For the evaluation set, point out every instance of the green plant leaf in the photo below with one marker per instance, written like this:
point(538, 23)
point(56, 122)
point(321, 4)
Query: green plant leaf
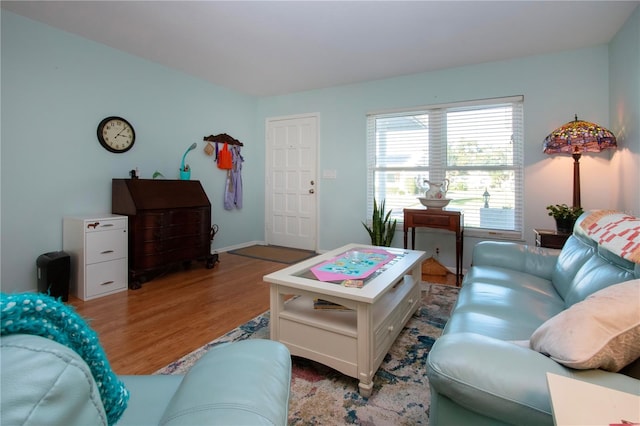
point(382, 230)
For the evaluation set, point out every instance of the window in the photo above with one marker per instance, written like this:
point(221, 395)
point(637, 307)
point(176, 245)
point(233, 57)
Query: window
point(477, 146)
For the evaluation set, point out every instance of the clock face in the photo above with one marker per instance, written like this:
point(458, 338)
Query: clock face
point(116, 134)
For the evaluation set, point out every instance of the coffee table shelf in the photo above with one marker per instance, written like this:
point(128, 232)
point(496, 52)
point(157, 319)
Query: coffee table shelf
point(301, 310)
point(353, 342)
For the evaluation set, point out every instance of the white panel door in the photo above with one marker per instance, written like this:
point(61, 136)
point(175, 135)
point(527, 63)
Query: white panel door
point(291, 182)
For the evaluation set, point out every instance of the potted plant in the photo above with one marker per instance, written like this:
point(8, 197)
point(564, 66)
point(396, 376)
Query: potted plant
point(565, 216)
point(382, 229)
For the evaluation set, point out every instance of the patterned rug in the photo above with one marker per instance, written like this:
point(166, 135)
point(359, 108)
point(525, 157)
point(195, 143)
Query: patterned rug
point(322, 396)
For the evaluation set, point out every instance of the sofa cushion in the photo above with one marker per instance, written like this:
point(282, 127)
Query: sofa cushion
point(585, 267)
point(596, 274)
point(576, 252)
point(603, 331)
point(508, 278)
point(488, 376)
point(503, 303)
point(516, 257)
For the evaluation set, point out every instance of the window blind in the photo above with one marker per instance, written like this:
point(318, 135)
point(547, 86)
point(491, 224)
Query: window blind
point(476, 145)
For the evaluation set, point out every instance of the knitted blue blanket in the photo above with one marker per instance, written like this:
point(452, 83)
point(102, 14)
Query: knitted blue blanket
point(42, 315)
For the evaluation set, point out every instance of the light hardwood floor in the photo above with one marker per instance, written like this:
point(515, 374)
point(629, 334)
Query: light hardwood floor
point(170, 316)
point(144, 330)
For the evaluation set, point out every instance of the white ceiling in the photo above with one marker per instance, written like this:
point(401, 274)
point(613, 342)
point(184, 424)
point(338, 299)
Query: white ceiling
point(267, 48)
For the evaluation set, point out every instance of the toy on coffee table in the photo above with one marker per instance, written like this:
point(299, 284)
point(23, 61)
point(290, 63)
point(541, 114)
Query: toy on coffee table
point(352, 265)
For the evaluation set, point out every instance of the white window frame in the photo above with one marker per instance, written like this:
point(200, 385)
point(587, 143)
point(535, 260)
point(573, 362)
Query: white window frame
point(437, 168)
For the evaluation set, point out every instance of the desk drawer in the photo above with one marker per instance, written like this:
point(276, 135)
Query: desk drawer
point(106, 277)
point(106, 245)
point(105, 225)
point(389, 329)
point(438, 221)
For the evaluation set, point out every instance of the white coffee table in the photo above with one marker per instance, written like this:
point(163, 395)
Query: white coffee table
point(353, 342)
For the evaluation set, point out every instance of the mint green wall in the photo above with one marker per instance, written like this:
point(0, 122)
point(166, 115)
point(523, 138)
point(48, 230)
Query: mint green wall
point(554, 88)
point(56, 87)
point(624, 88)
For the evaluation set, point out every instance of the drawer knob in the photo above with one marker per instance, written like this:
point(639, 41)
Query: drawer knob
point(390, 328)
point(106, 252)
point(107, 283)
point(410, 301)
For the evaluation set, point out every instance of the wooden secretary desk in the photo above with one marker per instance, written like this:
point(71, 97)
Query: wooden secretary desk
point(169, 223)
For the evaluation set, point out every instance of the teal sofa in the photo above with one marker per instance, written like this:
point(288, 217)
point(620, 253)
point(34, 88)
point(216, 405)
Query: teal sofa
point(244, 383)
point(521, 313)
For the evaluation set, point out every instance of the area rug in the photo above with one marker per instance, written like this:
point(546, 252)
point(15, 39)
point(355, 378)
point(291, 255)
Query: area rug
point(274, 253)
point(323, 396)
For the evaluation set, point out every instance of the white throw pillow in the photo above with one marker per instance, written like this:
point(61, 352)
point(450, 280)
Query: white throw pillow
point(602, 331)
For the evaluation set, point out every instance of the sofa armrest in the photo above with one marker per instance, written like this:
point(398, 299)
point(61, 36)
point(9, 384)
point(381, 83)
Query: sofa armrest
point(45, 382)
point(239, 383)
point(519, 257)
point(504, 379)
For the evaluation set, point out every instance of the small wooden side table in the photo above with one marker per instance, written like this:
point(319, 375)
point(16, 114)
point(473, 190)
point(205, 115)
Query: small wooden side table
point(550, 239)
point(450, 220)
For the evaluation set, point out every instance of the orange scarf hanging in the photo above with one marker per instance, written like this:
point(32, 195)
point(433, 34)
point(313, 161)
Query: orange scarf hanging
point(225, 159)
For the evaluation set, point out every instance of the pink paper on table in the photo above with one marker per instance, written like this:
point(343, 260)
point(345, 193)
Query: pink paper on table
point(343, 268)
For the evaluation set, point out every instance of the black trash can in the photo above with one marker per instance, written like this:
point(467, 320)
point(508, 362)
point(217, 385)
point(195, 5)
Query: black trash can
point(54, 271)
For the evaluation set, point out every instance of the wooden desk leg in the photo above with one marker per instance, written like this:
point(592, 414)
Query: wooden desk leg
point(461, 253)
point(405, 237)
point(459, 242)
point(413, 238)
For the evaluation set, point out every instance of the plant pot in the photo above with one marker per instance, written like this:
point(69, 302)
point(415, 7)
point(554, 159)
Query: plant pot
point(564, 226)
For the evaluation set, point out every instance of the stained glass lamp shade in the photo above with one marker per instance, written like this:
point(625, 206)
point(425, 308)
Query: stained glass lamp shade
point(574, 138)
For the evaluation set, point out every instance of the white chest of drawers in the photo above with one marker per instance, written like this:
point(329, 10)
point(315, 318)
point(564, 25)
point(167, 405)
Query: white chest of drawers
point(97, 246)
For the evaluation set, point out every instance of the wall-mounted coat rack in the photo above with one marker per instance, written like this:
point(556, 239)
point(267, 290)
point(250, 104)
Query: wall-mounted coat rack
point(223, 138)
